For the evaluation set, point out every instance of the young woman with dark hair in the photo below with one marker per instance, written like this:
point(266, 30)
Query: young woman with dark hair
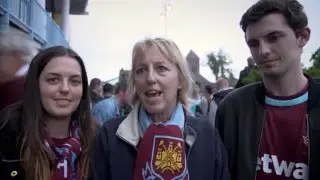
point(48, 135)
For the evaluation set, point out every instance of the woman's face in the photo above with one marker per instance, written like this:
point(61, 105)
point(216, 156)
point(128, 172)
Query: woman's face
point(61, 86)
point(156, 81)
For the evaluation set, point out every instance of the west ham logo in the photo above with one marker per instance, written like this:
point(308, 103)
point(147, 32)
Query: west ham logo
point(167, 160)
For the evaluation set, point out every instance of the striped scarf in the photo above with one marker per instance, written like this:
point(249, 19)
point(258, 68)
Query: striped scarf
point(67, 153)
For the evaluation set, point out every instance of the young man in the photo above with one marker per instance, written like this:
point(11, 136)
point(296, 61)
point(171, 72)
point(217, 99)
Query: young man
point(271, 129)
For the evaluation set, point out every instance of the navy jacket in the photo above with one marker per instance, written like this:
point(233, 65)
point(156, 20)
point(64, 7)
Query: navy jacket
point(115, 150)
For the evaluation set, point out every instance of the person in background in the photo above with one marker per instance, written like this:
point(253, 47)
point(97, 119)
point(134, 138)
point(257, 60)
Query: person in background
point(210, 91)
point(271, 128)
point(246, 71)
point(158, 139)
point(223, 90)
point(107, 108)
point(48, 135)
point(198, 104)
point(96, 91)
point(108, 90)
point(16, 53)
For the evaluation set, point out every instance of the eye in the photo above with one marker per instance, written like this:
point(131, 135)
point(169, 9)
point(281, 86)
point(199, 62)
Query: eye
point(273, 38)
point(253, 44)
point(162, 69)
point(139, 71)
point(52, 80)
point(76, 81)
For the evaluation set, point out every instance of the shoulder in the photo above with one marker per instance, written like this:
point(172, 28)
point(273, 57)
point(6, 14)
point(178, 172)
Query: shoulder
point(11, 119)
point(110, 127)
point(201, 124)
point(241, 94)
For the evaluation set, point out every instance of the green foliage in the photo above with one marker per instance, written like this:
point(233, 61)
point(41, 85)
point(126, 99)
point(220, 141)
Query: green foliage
point(313, 72)
point(254, 76)
point(218, 63)
point(315, 58)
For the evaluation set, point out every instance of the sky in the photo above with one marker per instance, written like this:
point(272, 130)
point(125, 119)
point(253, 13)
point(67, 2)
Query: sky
point(105, 37)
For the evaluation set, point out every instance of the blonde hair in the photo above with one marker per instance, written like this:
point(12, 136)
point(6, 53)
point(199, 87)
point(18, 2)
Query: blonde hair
point(169, 50)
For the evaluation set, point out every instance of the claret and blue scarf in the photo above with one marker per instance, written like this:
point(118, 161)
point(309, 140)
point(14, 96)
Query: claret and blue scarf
point(67, 153)
point(161, 151)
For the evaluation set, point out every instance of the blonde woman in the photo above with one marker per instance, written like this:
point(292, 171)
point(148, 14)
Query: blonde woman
point(158, 140)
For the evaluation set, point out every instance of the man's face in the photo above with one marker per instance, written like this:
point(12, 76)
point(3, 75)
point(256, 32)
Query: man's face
point(274, 45)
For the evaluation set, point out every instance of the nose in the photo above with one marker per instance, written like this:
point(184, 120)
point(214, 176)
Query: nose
point(264, 49)
point(151, 77)
point(64, 88)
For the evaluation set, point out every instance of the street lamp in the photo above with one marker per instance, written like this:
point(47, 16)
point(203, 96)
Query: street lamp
point(167, 7)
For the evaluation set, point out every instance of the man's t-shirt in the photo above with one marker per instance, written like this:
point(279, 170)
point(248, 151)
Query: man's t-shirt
point(283, 152)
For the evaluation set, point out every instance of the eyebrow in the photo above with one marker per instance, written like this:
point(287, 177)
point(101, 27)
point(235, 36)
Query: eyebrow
point(57, 74)
point(269, 34)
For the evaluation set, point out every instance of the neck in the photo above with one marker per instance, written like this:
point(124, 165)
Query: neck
point(163, 117)
point(289, 84)
point(58, 127)
point(107, 95)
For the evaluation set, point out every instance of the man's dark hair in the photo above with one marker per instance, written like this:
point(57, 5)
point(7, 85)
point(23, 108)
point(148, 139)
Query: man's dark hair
point(209, 89)
point(94, 83)
point(108, 88)
point(292, 11)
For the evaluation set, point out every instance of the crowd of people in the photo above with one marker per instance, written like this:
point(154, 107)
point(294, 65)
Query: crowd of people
point(56, 125)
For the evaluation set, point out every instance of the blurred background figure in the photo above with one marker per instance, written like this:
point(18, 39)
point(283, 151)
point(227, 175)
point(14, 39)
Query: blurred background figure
point(109, 107)
point(246, 71)
point(223, 89)
point(96, 91)
point(16, 53)
point(198, 103)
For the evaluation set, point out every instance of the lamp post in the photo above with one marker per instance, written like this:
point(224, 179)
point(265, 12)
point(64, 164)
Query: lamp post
point(167, 7)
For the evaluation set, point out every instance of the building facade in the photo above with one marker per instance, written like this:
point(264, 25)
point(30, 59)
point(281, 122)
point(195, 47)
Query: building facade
point(44, 21)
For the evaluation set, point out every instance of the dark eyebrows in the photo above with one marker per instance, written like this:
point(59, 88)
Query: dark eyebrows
point(250, 41)
point(275, 33)
point(57, 74)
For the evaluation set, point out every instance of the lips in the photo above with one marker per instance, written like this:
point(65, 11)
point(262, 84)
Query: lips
point(268, 61)
point(153, 93)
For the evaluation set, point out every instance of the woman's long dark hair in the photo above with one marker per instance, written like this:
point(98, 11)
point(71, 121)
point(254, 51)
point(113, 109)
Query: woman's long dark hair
point(35, 155)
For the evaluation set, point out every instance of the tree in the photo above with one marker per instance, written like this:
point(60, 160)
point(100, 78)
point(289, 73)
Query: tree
point(254, 76)
point(315, 58)
point(213, 64)
point(219, 63)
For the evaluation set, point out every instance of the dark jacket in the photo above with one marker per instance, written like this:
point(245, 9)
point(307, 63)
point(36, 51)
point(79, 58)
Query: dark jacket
point(10, 140)
point(240, 119)
point(115, 151)
point(218, 96)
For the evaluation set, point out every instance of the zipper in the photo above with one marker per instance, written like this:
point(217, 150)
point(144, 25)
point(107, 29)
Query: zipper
point(10, 161)
point(258, 149)
point(308, 136)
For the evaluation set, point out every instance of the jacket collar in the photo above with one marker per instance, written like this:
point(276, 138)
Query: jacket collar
point(130, 131)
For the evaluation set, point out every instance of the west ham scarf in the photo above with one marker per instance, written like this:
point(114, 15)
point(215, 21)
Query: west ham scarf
point(161, 151)
point(67, 152)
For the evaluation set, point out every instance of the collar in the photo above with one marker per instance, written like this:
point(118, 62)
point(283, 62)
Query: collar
point(224, 89)
point(177, 118)
point(129, 129)
point(313, 92)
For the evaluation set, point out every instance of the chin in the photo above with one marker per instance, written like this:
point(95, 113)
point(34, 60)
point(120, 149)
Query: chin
point(154, 109)
point(271, 73)
point(61, 112)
